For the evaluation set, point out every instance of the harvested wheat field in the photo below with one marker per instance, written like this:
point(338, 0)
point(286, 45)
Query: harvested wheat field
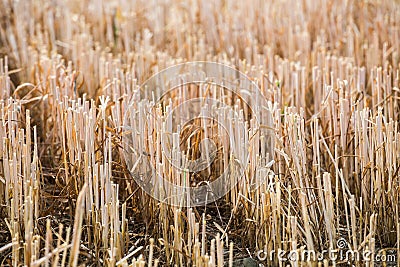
point(200, 133)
